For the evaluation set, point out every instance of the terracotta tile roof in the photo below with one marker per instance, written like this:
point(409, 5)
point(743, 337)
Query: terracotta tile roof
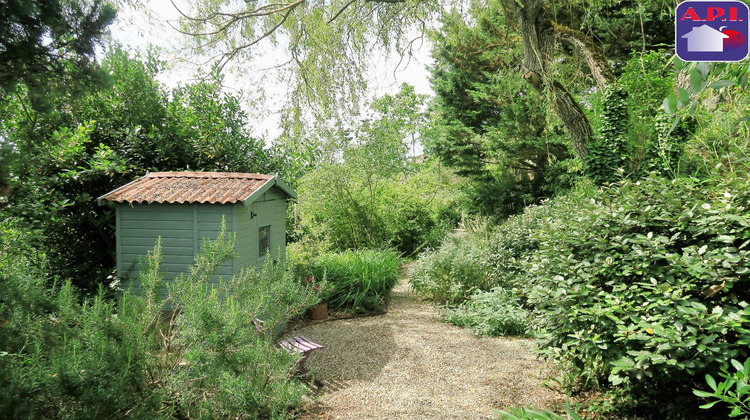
point(189, 187)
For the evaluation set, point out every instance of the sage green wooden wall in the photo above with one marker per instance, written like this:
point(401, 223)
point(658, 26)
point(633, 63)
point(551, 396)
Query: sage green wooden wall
point(183, 227)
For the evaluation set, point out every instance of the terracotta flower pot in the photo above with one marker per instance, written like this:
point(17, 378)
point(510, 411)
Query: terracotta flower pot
point(318, 312)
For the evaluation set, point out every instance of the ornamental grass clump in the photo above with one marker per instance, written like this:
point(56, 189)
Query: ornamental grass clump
point(361, 280)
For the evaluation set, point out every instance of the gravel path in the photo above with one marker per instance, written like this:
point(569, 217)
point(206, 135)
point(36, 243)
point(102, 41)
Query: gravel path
point(408, 364)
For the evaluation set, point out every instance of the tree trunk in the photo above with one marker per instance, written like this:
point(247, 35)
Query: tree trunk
point(538, 33)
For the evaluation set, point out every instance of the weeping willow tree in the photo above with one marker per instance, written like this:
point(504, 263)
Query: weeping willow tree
point(327, 44)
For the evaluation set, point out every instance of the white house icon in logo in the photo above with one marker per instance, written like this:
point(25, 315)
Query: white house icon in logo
point(705, 39)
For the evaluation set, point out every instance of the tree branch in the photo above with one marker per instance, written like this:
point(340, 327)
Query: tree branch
point(234, 18)
point(583, 44)
point(341, 11)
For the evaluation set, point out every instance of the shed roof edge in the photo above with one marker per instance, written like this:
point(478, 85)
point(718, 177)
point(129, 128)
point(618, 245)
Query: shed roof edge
point(100, 200)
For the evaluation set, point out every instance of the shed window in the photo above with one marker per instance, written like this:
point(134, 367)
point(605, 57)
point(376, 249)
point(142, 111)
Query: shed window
point(264, 240)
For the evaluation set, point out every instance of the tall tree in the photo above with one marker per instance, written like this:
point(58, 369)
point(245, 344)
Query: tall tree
point(43, 41)
point(538, 32)
point(46, 52)
point(491, 126)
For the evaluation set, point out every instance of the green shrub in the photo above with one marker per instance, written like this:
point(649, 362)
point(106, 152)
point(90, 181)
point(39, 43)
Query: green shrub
point(452, 272)
point(643, 285)
point(361, 280)
point(231, 368)
point(301, 255)
point(66, 358)
point(513, 242)
point(62, 357)
point(486, 257)
point(482, 274)
point(734, 390)
point(355, 206)
point(411, 224)
point(494, 313)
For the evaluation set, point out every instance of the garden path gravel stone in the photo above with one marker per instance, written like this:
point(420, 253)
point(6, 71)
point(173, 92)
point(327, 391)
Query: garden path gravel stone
point(408, 364)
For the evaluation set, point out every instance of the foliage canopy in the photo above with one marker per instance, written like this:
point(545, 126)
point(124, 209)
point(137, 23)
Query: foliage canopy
point(49, 42)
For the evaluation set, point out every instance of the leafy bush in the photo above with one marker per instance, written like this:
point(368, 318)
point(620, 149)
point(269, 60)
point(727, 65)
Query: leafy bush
point(97, 358)
point(368, 191)
point(734, 390)
point(644, 284)
point(358, 204)
point(480, 276)
point(494, 313)
point(452, 272)
point(487, 257)
point(513, 242)
point(418, 210)
point(361, 279)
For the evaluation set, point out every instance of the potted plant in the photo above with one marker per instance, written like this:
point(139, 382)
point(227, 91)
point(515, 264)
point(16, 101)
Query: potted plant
point(322, 290)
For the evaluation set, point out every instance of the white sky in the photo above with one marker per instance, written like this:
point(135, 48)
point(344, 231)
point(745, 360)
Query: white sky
point(136, 30)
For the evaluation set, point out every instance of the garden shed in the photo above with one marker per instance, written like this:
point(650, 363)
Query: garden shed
point(183, 208)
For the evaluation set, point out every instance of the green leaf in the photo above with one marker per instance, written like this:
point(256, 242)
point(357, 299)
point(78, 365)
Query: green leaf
point(737, 365)
point(711, 381)
point(696, 81)
point(703, 68)
point(684, 96)
point(709, 405)
point(703, 394)
point(678, 63)
point(725, 238)
point(670, 103)
point(572, 415)
point(732, 257)
point(722, 84)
